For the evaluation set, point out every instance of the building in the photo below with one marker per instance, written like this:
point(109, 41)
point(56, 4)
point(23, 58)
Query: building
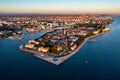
point(64, 31)
point(96, 32)
point(73, 47)
point(42, 49)
point(106, 29)
point(30, 46)
point(1, 25)
point(31, 41)
point(82, 33)
point(59, 48)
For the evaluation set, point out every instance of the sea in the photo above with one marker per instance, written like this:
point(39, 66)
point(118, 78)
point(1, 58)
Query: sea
point(96, 60)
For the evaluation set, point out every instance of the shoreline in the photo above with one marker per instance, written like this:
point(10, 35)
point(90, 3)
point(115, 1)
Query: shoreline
point(60, 59)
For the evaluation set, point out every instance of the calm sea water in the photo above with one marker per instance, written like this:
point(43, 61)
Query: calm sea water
point(103, 60)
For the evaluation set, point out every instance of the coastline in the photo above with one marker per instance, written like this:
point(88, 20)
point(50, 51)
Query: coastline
point(60, 59)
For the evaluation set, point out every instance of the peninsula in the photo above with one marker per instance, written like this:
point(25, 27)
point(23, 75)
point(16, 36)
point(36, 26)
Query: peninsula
point(61, 35)
point(60, 43)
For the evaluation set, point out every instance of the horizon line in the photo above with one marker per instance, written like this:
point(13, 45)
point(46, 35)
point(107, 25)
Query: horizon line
point(30, 13)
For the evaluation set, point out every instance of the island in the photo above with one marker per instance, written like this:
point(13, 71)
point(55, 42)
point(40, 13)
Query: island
point(60, 43)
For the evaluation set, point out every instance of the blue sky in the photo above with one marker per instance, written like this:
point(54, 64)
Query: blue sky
point(60, 6)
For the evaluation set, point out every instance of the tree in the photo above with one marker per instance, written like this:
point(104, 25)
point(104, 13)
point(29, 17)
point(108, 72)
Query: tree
point(53, 49)
point(64, 46)
point(47, 43)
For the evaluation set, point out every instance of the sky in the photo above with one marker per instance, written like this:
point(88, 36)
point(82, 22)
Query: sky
point(60, 6)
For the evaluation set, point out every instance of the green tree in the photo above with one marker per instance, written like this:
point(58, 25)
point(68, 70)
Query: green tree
point(47, 43)
point(53, 49)
point(64, 46)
